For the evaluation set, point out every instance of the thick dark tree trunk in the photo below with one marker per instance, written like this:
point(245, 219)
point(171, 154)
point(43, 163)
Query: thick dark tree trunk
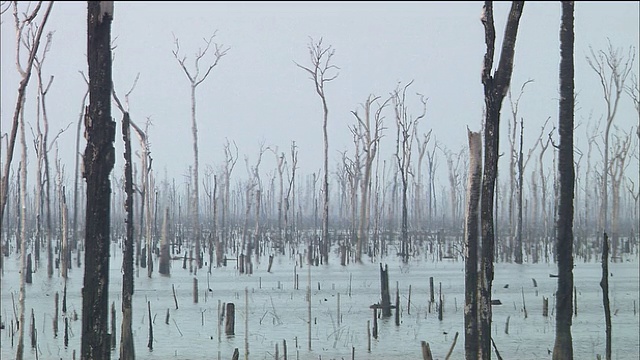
point(471, 265)
point(385, 302)
point(99, 157)
point(495, 89)
point(126, 341)
point(563, 348)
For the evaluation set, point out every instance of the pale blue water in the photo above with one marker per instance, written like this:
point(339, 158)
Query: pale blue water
point(277, 311)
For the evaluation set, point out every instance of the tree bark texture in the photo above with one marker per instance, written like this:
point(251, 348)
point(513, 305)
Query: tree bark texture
point(495, 89)
point(127, 351)
point(99, 158)
point(563, 348)
point(471, 238)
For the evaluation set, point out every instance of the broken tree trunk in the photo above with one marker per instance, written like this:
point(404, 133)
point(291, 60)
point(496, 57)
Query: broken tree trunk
point(384, 291)
point(471, 340)
point(495, 89)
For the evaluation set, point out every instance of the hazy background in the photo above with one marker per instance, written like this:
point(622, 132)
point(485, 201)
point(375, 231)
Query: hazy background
point(257, 94)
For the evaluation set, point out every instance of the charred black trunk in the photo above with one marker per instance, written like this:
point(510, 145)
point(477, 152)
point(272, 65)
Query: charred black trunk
point(563, 348)
point(99, 157)
point(126, 335)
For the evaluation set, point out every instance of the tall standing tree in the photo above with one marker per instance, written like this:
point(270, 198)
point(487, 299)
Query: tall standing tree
point(563, 348)
point(612, 68)
point(406, 125)
point(516, 162)
point(368, 132)
point(25, 74)
point(495, 89)
point(321, 72)
point(99, 158)
point(127, 351)
point(195, 79)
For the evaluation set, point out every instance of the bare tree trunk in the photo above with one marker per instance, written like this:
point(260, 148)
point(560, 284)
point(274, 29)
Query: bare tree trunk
point(230, 163)
point(99, 158)
point(320, 61)
point(23, 238)
point(147, 221)
point(563, 348)
point(165, 261)
point(495, 88)
point(604, 284)
point(65, 253)
point(196, 79)
point(471, 340)
point(127, 351)
point(77, 168)
point(406, 125)
point(519, 256)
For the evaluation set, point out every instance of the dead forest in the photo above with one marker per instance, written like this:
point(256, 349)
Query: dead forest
point(367, 207)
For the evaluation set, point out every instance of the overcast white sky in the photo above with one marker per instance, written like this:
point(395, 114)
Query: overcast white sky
point(258, 95)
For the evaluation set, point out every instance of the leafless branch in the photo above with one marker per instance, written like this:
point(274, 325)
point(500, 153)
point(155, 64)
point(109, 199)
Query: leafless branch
point(195, 78)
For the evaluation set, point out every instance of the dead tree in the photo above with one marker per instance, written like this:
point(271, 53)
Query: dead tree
point(195, 79)
point(127, 351)
point(254, 186)
point(145, 193)
point(474, 180)
point(211, 196)
point(40, 146)
point(320, 73)
point(231, 157)
point(44, 147)
point(24, 270)
point(495, 89)
point(617, 168)
point(368, 132)
point(612, 69)
point(406, 125)
point(604, 284)
point(516, 186)
point(349, 173)
point(432, 166)
point(99, 158)
point(634, 93)
point(422, 145)
point(280, 167)
point(65, 251)
point(544, 145)
point(164, 266)
point(25, 74)
point(453, 166)
point(563, 348)
point(289, 199)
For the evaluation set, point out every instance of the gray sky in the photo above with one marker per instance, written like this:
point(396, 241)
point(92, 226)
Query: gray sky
point(258, 95)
